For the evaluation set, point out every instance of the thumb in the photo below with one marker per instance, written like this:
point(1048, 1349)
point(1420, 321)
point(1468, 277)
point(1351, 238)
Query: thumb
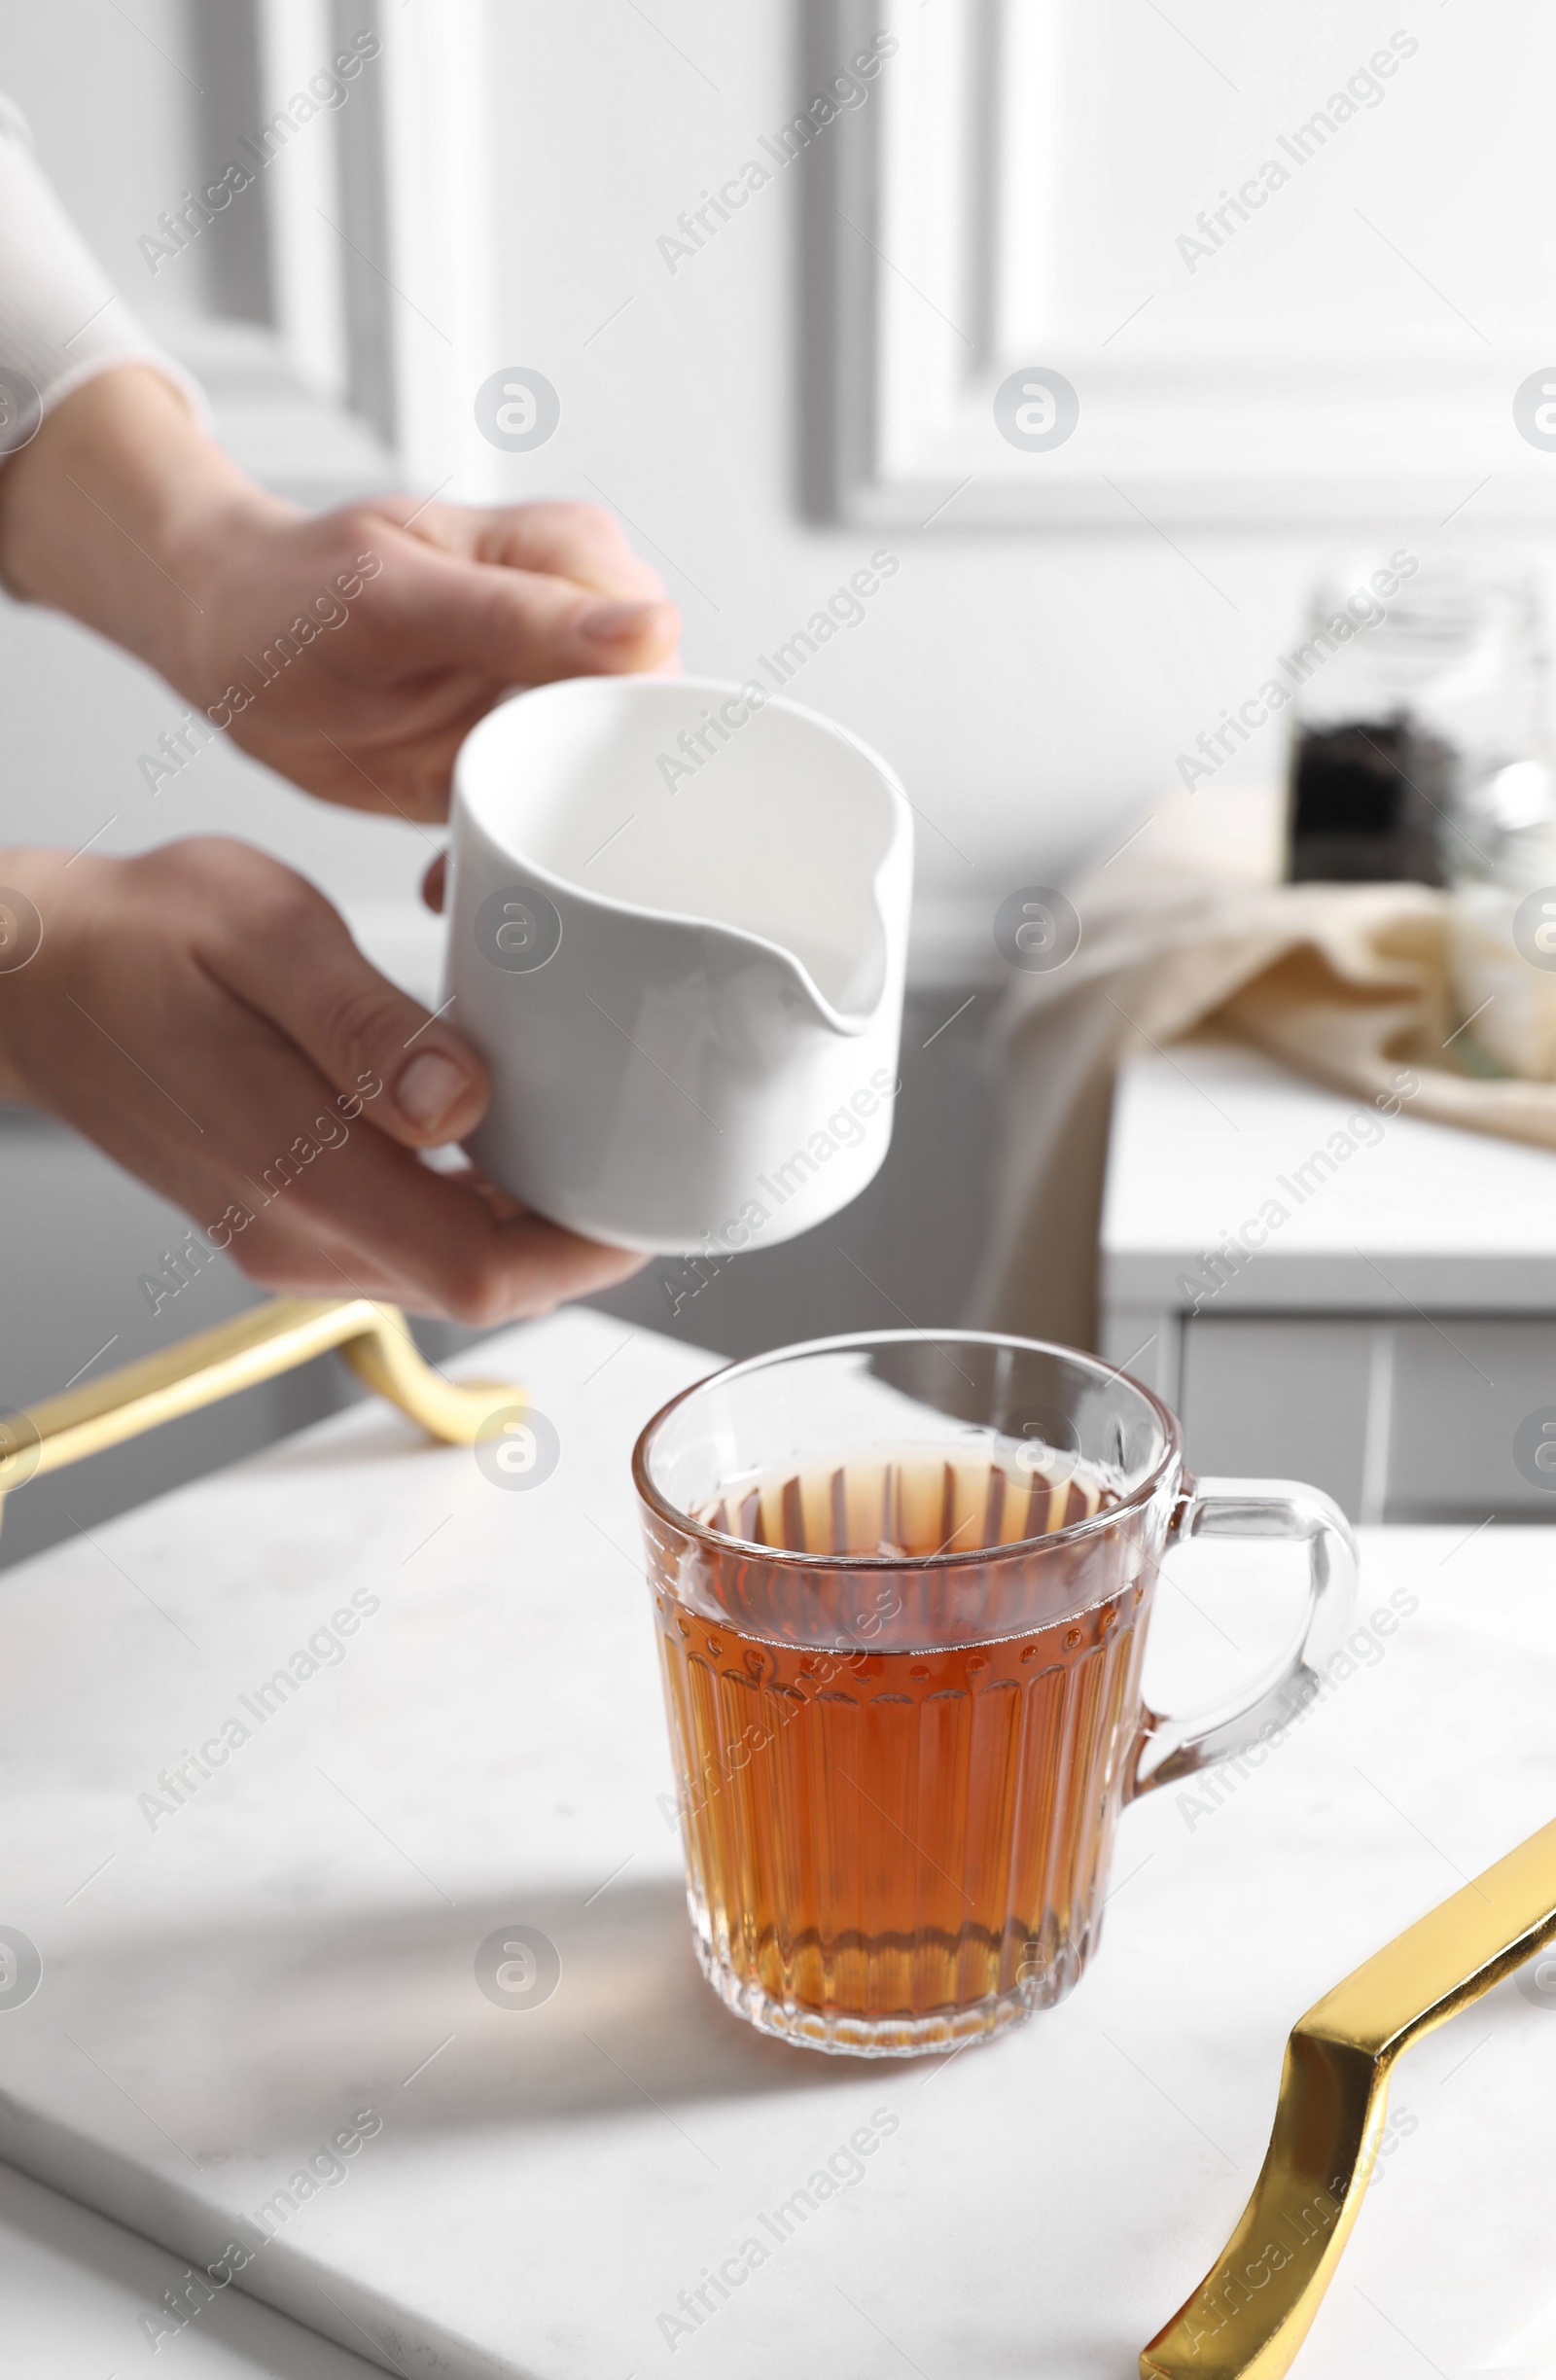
point(521, 628)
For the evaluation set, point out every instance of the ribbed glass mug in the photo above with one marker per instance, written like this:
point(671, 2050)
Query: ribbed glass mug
point(902, 1585)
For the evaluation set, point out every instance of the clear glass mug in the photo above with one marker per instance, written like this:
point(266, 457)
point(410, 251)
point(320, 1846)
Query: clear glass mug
point(903, 1583)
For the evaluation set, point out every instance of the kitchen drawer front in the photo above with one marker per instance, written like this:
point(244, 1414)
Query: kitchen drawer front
point(1410, 1420)
point(1265, 1394)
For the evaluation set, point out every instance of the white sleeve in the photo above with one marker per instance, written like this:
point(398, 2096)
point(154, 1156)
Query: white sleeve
point(62, 320)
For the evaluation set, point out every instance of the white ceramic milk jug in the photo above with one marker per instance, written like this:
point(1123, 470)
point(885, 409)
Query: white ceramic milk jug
point(678, 927)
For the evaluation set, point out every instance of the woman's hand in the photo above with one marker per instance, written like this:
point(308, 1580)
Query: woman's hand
point(350, 650)
point(355, 650)
point(204, 1015)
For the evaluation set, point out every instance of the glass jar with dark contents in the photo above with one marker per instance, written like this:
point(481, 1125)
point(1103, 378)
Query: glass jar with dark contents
point(1419, 681)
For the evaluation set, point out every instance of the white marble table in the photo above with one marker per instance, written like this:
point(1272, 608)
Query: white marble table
point(74, 2288)
point(295, 1946)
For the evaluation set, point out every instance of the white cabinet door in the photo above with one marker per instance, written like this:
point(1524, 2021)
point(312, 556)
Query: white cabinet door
point(1470, 1396)
point(1270, 1396)
point(1432, 1418)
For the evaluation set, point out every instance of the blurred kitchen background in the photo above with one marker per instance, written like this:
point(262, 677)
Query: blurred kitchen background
point(770, 393)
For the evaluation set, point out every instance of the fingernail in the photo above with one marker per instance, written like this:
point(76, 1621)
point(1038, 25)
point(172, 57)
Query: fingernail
point(612, 623)
point(428, 1089)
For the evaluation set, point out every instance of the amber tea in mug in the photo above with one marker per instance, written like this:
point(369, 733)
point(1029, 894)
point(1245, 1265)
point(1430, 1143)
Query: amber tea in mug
point(902, 1585)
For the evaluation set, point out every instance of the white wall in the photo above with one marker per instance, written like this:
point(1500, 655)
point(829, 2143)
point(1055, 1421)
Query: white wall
point(105, 93)
point(1033, 691)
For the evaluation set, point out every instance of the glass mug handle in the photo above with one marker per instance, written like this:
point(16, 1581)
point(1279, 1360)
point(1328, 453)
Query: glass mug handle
point(1167, 1747)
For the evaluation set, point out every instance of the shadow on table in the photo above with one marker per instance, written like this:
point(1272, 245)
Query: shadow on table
point(237, 2040)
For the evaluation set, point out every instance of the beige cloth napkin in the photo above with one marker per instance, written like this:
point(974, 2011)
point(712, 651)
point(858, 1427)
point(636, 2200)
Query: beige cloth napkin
point(1187, 928)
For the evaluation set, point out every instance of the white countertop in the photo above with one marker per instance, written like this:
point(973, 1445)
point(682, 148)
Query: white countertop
point(296, 1944)
point(1203, 1136)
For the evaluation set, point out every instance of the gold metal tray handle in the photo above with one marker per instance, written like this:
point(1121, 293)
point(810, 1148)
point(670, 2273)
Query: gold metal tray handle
point(1252, 2312)
point(374, 1339)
